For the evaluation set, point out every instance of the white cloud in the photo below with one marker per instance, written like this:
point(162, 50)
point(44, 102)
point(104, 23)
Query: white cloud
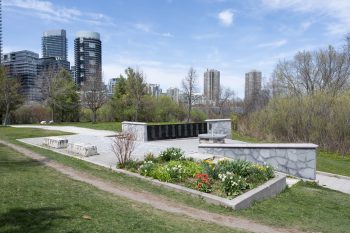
point(206, 36)
point(336, 10)
point(48, 11)
point(143, 27)
point(226, 17)
point(273, 44)
point(147, 28)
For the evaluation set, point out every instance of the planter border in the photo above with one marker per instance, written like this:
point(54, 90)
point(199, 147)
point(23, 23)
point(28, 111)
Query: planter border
point(267, 190)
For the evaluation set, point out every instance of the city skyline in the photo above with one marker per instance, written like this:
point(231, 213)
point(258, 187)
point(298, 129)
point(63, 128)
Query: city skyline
point(230, 36)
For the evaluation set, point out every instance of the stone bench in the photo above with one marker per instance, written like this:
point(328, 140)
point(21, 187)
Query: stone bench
point(212, 138)
point(82, 149)
point(57, 143)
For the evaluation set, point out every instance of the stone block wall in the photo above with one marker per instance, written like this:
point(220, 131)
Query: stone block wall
point(219, 126)
point(294, 159)
point(138, 128)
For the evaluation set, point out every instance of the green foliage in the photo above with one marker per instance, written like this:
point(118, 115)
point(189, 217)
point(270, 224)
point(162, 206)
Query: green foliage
point(10, 97)
point(177, 171)
point(149, 157)
point(171, 153)
point(33, 113)
point(147, 168)
point(161, 173)
point(232, 184)
point(320, 118)
point(198, 115)
point(131, 165)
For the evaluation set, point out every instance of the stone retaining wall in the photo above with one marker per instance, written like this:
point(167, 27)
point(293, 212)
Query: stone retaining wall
point(293, 159)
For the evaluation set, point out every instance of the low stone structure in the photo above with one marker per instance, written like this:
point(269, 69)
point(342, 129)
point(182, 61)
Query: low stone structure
point(212, 138)
point(82, 149)
point(54, 142)
point(138, 128)
point(294, 159)
point(219, 126)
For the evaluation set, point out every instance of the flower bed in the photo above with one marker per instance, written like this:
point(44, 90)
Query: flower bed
point(224, 178)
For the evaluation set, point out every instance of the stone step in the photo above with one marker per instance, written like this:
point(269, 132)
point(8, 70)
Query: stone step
point(54, 142)
point(82, 149)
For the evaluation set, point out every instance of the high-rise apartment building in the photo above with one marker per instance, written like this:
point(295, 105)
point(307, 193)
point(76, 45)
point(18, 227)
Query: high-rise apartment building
point(153, 89)
point(0, 32)
point(54, 44)
point(173, 93)
point(212, 85)
point(24, 65)
point(88, 56)
point(111, 85)
point(252, 84)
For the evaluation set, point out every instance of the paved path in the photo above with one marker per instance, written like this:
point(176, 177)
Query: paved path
point(106, 158)
point(150, 199)
point(333, 181)
point(70, 129)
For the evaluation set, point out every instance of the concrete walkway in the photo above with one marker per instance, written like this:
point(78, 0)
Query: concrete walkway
point(333, 181)
point(150, 199)
point(106, 158)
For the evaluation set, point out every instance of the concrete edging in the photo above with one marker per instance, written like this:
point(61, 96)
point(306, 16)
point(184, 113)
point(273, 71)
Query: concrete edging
point(269, 189)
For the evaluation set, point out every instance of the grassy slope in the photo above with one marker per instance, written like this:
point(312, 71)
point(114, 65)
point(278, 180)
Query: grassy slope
point(326, 161)
point(304, 206)
point(38, 199)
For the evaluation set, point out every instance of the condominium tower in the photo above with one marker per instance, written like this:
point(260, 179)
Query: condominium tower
point(54, 44)
point(87, 56)
point(252, 84)
point(24, 65)
point(212, 85)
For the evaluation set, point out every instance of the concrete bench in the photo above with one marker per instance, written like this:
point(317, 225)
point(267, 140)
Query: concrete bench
point(212, 138)
point(57, 143)
point(82, 149)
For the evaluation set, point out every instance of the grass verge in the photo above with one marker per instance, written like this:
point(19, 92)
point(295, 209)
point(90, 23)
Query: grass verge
point(38, 199)
point(305, 206)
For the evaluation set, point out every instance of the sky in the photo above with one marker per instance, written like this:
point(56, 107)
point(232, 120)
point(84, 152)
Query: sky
point(164, 38)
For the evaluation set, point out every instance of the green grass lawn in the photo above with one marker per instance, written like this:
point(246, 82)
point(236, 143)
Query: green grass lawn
point(304, 206)
point(38, 199)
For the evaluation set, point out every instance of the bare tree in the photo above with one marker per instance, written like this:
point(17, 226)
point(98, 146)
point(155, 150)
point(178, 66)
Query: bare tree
point(189, 87)
point(324, 70)
point(10, 97)
point(93, 95)
point(226, 96)
point(123, 146)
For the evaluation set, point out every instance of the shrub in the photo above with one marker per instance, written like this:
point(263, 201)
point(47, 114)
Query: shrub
point(241, 167)
point(258, 173)
point(161, 173)
point(192, 168)
point(149, 157)
point(210, 168)
point(171, 154)
point(177, 171)
point(123, 145)
point(131, 165)
point(232, 184)
point(147, 168)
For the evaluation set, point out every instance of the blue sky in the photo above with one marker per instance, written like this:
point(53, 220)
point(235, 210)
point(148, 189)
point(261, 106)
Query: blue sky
point(164, 38)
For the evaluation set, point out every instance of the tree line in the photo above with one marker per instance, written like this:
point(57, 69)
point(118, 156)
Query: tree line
point(310, 102)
